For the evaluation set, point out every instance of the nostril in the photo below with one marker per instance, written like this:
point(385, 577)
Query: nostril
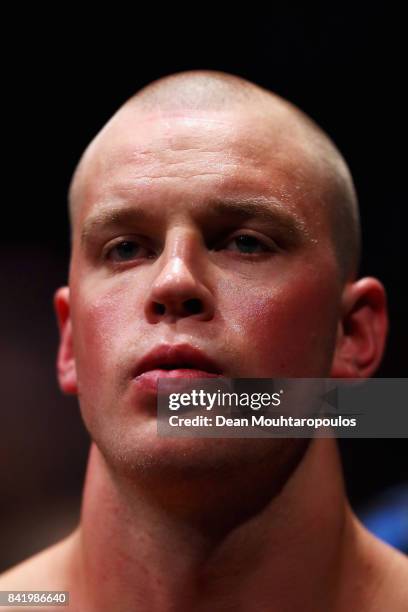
point(193, 306)
point(159, 308)
point(190, 307)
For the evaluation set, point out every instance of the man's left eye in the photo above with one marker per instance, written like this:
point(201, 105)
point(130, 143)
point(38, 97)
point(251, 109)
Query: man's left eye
point(246, 243)
point(126, 250)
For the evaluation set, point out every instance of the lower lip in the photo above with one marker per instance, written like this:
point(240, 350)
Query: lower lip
point(149, 380)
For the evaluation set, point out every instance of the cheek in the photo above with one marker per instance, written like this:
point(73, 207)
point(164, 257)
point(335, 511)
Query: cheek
point(287, 330)
point(103, 337)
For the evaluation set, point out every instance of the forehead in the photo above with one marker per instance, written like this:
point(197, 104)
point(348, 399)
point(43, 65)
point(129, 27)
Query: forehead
point(190, 157)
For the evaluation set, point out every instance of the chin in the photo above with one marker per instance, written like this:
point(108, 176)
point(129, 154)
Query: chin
point(145, 456)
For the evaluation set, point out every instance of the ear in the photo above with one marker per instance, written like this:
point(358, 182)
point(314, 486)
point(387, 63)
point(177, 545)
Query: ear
point(362, 330)
point(66, 367)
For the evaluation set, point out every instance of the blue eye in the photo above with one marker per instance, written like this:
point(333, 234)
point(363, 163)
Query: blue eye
point(248, 244)
point(126, 250)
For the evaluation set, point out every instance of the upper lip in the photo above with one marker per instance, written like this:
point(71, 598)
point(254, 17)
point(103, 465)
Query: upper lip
point(180, 355)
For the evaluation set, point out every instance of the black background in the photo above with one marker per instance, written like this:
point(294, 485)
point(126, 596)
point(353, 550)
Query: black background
point(344, 66)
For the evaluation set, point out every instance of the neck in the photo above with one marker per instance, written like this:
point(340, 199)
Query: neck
point(135, 552)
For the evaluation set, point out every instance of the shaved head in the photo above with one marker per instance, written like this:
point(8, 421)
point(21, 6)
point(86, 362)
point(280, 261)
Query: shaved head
point(217, 92)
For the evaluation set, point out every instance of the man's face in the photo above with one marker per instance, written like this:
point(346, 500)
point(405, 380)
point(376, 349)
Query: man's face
point(212, 207)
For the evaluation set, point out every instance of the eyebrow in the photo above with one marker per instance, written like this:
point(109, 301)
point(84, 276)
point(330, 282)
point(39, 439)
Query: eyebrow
point(112, 217)
point(266, 209)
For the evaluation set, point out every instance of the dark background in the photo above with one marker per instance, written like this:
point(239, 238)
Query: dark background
point(343, 66)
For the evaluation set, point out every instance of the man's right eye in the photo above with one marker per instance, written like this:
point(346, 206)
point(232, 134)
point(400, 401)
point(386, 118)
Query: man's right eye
point(127, 250)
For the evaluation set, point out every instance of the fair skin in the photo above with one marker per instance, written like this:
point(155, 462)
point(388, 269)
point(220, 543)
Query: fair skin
point(199, 524)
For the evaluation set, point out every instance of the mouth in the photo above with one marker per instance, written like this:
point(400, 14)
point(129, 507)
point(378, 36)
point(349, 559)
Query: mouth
point(175, 361)
point(177, 366)
point(177, 357)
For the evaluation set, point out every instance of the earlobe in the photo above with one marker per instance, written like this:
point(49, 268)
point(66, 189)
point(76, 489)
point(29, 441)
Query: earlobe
point(66, 367)
point(362, 330)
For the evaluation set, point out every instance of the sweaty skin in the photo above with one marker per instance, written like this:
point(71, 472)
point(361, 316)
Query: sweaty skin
point(205, 524)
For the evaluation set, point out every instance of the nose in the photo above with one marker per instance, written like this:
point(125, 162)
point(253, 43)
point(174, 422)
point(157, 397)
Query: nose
point(178, 290)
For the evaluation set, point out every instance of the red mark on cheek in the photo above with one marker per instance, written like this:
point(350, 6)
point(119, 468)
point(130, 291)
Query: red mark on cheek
point(287, 329)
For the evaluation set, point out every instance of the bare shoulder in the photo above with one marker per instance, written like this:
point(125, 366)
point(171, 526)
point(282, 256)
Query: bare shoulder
point(386, 569)
point(47, 570)
point(395, 582)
